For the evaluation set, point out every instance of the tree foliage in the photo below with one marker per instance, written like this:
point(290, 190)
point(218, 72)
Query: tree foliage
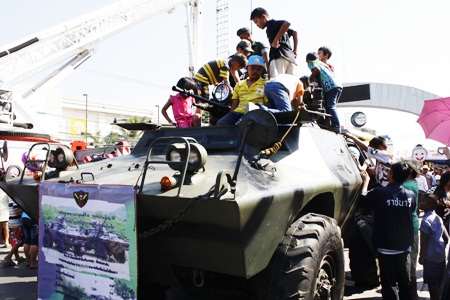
point(131, 136)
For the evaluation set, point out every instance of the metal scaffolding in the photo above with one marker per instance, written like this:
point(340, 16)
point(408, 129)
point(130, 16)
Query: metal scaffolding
point(222, 28)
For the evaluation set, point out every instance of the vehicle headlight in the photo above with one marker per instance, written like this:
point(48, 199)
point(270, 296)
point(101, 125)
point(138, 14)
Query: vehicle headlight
point(61, 158)
point(178, 154)
point(222, 93)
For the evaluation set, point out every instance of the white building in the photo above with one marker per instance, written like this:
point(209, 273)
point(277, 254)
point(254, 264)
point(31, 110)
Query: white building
point(66, 119)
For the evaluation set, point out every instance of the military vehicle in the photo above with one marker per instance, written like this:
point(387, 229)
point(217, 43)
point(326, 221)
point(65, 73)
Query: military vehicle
point(106, 245)
point(95, 241)
point(259, 210)
point(63, 237)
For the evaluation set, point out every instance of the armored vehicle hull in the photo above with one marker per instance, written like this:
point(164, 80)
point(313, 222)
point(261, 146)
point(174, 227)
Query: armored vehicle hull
point(263, 228)
point(93, 241)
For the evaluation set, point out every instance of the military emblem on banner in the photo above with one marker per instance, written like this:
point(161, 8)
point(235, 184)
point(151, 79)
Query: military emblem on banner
point(81, 198)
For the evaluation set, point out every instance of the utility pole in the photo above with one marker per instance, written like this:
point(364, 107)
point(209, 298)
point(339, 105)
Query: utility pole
point(85, 129)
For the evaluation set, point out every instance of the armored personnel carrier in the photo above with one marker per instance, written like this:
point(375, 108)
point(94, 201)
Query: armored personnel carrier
point(95, 241)
point(259, 210)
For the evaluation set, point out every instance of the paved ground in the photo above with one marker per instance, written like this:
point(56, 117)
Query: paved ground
point(20, 283)
point(352, 292)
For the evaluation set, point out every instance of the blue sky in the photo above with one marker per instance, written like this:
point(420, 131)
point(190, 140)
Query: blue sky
point(398, 42)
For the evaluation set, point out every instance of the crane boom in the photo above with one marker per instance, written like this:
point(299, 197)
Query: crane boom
point(69, 45)
point(25, 59)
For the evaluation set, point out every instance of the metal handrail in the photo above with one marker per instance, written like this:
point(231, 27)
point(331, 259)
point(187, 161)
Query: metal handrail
point(184, 163)
point(28, 160)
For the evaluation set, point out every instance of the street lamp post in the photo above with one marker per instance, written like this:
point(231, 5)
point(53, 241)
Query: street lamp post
point(157, 107)
point(85, 129)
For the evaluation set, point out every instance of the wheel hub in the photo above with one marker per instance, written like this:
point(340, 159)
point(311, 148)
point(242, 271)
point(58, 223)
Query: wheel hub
point(323, 287)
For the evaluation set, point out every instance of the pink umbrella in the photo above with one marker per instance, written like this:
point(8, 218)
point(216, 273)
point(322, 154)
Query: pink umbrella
point(435, 120)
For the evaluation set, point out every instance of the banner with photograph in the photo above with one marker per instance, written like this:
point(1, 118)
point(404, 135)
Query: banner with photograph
point(87, 241)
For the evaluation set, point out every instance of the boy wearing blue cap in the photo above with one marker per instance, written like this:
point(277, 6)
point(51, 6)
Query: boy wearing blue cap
point(250, 90)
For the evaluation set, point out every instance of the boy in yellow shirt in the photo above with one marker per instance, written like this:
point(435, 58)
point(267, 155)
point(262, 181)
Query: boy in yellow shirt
point(250, 90)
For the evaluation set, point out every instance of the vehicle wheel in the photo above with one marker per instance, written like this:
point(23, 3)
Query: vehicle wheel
point(308, 264)
point(100, 250)
point(59, 242)
point(78, 250)
point(48, 239)
point(120, 256)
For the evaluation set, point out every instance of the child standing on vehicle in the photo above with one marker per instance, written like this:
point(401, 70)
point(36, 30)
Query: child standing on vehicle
point(217, 71)
point(281, 55)
point(259, 48)
point(284, 93)
point(433, 238)
point(332, 88)
point(182, 106)
point(244, 47)
point(324, 54)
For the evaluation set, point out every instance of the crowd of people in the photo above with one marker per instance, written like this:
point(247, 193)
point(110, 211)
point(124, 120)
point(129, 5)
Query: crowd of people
point(397, 193)
point(22, 231)
point(259, 74)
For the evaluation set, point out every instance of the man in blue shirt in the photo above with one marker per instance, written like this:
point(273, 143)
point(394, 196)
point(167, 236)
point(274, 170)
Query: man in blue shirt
point(393, 232)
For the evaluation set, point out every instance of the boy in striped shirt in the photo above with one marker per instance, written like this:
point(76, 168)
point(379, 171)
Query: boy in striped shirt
point(15, 235)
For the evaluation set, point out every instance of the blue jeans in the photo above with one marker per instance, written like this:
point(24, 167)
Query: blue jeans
point(231, 118)
point(30, 231)
point(330, 100)
point(278, 96)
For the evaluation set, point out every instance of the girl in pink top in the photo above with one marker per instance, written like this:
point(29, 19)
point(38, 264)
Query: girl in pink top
point(182, 106)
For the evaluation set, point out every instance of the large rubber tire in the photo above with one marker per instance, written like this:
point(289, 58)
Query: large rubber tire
point(60, 244)
point(100, 250)
point(78, 250)
point(120, 256)
point(48, 239)
point(308, 264)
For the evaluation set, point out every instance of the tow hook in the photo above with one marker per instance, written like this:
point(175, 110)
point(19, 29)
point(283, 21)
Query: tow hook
point(198, 278)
